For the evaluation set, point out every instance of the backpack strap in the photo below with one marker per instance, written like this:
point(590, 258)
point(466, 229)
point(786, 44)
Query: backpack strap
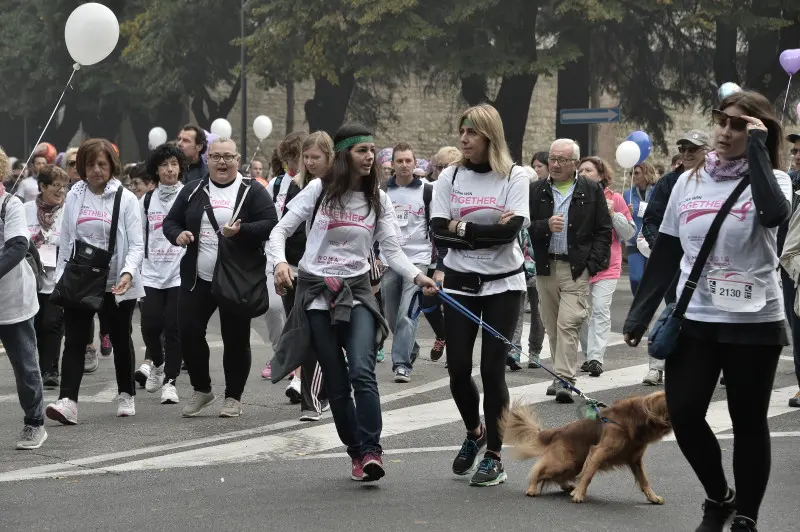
point(147, 198)
point(276, 186)
point(455, 172)
point(112, 239)
point(316, 206)
point(3, 208)
point(427, 197)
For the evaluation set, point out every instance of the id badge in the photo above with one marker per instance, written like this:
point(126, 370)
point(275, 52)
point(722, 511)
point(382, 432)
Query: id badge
point(401, 211)
point(736, 291)
point(48, 254)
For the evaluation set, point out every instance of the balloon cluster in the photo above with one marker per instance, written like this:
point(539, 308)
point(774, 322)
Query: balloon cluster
point(634, 150)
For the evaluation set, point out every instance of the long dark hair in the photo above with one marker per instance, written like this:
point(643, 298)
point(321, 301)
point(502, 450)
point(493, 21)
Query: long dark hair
point(339, 181)
point(756, 105)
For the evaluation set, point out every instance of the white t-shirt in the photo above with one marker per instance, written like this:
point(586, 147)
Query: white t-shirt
point(161, 266)
point(223, 201)
point(339, 241)
point(94, 226)
point(48, 251)
point(283, 191)
point(743, 245)
point(17, 287)
point(482, 199)
point(27, 189)
point(409, 208)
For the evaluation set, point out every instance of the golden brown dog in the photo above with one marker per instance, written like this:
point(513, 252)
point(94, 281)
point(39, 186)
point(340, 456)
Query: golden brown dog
point(577, 451)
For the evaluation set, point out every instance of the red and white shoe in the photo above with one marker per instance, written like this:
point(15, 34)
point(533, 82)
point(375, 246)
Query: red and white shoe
point(65, 411)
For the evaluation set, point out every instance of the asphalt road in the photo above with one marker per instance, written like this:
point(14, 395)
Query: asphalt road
point(267, 470)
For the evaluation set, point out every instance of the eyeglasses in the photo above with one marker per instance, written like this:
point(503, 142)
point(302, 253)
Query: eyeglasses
point(721, 119)
point(691, 150)
point(58, 186)
point(135, 183)
point(559, 160)
point(228, 158)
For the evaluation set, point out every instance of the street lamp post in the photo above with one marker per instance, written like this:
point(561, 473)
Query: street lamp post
point(244, 89)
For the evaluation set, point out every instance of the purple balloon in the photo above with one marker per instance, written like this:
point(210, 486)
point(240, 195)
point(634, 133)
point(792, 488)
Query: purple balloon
point(790, 61)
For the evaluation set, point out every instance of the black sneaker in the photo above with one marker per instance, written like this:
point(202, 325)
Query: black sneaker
point(585, 367)
point(716, 514)
point(564, 394)
point(551, 390)
point(794, 402)
point(595, 368)
point(438, 349)
point(50, 380)
point(490, 473)
point(512, 363)
point(743, 524)
point(468, 455)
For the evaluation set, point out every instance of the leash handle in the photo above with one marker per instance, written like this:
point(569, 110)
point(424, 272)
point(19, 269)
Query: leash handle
point(415, 308)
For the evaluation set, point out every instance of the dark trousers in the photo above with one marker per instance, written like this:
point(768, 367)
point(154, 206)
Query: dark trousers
point(49, 325)
point(104, 327)
point(358, 424)
point(312, 382)
point(195, 309)
point(78, 333)
point(160, 329)
point(789, 294)
point(435, 317)
point(693, 373)
point(501, 312)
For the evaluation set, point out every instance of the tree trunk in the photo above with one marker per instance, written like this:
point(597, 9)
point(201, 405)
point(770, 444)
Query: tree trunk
point(12, 136)
point(574, 86)
point(763, 69)
point(513, 102)
point(290, 107)
point(168, 115)
point(725, 54)
point(62, 135)
point(473, 89)
point(104, 123)
point(206, 109)
point(327, 109)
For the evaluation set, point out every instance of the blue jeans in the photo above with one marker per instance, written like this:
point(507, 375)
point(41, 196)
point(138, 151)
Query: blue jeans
point(636, 264)
point(359, 425)
point(397, 293)
point(19, 339)
point(789, 294)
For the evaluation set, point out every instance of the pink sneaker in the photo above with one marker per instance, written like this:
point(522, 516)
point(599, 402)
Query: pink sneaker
point(266, 373)
point(357, 471)
point(373, 467)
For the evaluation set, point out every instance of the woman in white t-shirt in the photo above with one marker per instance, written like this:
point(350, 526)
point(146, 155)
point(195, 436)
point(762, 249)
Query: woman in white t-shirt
point(44, 224)
point(87, 218)
point(334, 307)
point(735, 321)
point(480, 204)
point(161, 274)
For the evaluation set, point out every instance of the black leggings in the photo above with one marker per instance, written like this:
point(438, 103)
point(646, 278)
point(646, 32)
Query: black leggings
point(501, 312)
point(49, 325)
point(749, 371)
point(435, 317)
point(160, 331)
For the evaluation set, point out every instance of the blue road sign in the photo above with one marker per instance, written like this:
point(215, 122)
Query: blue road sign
point(590, 116)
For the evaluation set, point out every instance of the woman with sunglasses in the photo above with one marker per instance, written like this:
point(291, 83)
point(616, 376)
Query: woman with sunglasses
point(725, 325)
point(595, 330)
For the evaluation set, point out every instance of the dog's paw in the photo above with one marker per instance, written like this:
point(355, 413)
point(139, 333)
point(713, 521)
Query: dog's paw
point(532, 492)
point(655, 499)
point(578, 497)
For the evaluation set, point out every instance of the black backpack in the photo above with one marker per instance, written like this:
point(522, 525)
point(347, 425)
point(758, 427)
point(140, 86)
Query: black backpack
point(32, 255)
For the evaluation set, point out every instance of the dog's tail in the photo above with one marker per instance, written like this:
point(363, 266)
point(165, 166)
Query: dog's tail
point(522, 429)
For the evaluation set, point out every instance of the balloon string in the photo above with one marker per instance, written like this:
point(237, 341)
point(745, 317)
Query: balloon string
point(255, 153)
point(786, 98)
point(55, 109)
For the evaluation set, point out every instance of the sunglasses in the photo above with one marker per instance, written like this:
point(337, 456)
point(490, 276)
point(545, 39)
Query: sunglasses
point(721, 119)
point(794, 151)
point(691, 150)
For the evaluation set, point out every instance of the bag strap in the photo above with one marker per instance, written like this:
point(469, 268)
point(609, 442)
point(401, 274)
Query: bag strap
point(237, 208)
point(3, 208)
point(276, 186)
point(705, 249)
point(147, 198)
point(112, 239)
point(317, 205)
point(427, 197)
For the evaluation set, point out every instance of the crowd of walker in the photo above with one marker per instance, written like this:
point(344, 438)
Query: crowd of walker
point(349, 236)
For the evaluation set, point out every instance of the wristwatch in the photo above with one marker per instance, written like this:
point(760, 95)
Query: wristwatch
point(461, 229)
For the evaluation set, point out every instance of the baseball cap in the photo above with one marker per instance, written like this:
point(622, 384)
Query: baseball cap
point(698, 137)
point(794, 137)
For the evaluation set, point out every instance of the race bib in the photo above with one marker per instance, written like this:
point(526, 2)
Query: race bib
point(401, 211)
point(736, 291)
point(48, 254)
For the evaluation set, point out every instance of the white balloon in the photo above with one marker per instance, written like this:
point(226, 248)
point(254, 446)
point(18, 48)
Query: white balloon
point(262, 127)
point(91, 33)
point(157, 137)
point(628, 154)
point(221, 127)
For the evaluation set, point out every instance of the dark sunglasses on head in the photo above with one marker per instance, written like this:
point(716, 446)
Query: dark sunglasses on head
point(691, 150)
point(721, 119)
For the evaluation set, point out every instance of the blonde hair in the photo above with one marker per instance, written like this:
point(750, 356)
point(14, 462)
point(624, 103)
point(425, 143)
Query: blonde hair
point(67, 154)
point(318, 139)
point(649, 172)
point(447, 155)
point(5, 165)
point(487, 122)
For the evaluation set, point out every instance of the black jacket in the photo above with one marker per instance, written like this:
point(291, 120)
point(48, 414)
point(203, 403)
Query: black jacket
point(657, 206)
point(195, 171)
point(257, 215)
point(588, 233)
point(295, 244)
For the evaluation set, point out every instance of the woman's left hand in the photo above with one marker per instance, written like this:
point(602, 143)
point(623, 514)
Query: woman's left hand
point(754, 123)
point(506, 217)
point(429, 287)
point(229, 231)
point(123, 285)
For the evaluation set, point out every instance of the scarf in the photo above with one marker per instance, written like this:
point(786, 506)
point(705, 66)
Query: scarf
point(167, 192)
point(720, 170)
point(45, 214)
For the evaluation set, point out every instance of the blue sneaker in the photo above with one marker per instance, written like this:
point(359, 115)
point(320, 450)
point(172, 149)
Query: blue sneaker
point(467, 457)
point(490, 473)
point(380, 355)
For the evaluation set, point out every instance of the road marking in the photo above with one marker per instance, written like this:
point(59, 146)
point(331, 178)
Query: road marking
point(104, 396)
point(787, 357)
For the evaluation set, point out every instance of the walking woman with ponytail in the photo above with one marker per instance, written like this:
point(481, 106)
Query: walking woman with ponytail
point(480, 205)
point(334, 308)
point(734, 322)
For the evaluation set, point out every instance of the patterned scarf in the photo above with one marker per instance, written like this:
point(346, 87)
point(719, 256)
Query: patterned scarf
point(46, 215)
point(167, 192)
point(720, 170)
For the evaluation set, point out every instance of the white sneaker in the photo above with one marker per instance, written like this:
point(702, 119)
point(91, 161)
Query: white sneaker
point(142, 374)
point(125, 406)
point(169, 395)
point(155, 380)
point(654, 377)
point(293, 391)
point(65, 411)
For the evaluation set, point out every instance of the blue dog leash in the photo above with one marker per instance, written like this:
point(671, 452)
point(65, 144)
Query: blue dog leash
point(416, 308)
